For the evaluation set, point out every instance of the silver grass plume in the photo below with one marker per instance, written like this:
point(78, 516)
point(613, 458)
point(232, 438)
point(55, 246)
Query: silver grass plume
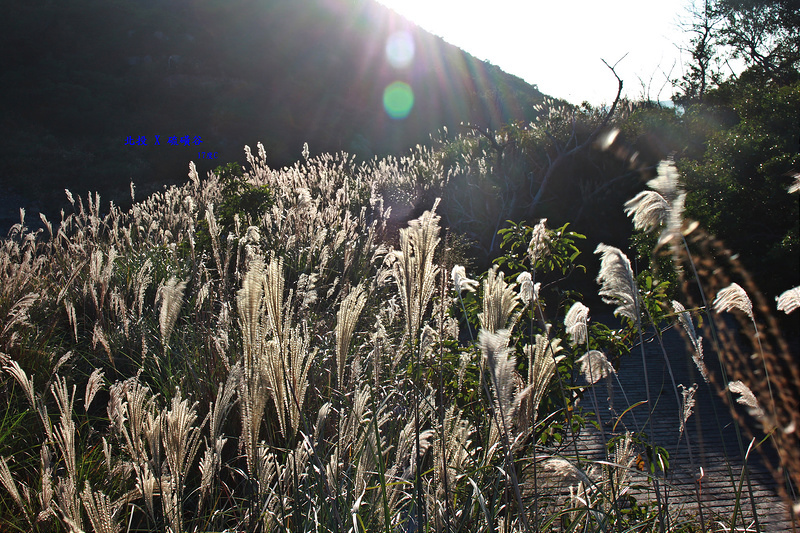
point(461, 282)
point(623, 460)
point(499, 301)
point(685, 320)
point(563, 470)
point(501, 364)
point(451, 457)
point(266, 365)
point(181, 440)
point(668, 186)
point(214, 231)
point(99, 337)
point(540, 240)
point(250, 306)
point(660, 207)
point(687, 402)
point(346, 321)
point(576, 323)
point(286, 370)
point(101, 510)
point(667, 181)
point(455, 443)
point(143, 281)
point(94, 384)
point(404, 463)
point(212, 459)
point(67, 489)
point(595, 366)
point(16, 371)
point(10, 485)
point(273, 296)
point(133, 416)
point(171, 297)
point(618, 285)
point(789, 300)
point(543, 357)
point(733, 297)
point(748, 399)
point(649, 210)
point(795, 186)
point(413, 269)
point(528, 291)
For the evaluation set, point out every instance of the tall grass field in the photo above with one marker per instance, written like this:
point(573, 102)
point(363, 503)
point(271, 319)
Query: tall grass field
point(311, 349)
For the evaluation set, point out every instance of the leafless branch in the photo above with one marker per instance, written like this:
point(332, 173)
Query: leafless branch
point(564, 154)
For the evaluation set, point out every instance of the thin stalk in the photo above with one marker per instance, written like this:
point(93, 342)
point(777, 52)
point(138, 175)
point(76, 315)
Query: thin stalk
point(466, 316)
point(727, 392)
point(387, 519)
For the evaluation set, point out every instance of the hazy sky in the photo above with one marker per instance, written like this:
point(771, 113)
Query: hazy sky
point(559, 44)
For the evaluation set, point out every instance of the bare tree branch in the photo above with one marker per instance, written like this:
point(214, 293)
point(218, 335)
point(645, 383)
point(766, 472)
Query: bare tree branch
point(563, 154)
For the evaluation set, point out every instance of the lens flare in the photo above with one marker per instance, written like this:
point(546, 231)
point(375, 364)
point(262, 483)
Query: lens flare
point(400, 49)
point(398, 99)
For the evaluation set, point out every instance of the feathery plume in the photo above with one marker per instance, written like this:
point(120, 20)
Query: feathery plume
point(618, 285)
point(461, 282)
point(667, 181)
point(181, 439)
point(413, 269)
point(663, 206)
point(528, 291)
point(649, 210)
point(748, 399)
point(685, 319)
point(346, 320)
point(795, 186)
point(576, 323)
point(99, 337)
point(253, 235)
point(540, 240)
point(733, 297)
point(543, 357)
point(499, 301)
point(171, 297)
point(100, 510)
point(595, 366)
point(16, 371)
point(274, 283)
point(563, 470)
point(623, 458)
point(497, 355)
point(94, 384)
point(789, 300)
point(687, 401)
point(8, 482)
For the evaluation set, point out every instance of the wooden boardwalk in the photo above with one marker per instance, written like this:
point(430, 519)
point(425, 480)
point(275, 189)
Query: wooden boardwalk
point(710, 442)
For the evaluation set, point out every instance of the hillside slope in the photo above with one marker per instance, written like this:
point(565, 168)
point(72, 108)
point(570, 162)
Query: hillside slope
point(90, 80)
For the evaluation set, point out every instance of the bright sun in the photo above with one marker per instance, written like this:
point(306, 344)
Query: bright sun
point(559, 46)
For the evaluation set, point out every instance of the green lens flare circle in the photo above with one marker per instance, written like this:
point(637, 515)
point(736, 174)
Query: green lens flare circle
point(398, 99)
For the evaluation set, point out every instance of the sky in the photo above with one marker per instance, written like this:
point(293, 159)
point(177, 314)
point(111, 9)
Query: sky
point(559, 45)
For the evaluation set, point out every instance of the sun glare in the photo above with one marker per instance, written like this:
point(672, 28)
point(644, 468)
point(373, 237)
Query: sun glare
point(398, 99)
point(559, 46)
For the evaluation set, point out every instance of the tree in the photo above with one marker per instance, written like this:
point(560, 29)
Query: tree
point(764, 33)
point(703, 68)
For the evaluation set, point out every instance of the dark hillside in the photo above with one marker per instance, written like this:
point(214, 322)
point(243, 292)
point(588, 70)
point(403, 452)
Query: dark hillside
point(80, 79)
